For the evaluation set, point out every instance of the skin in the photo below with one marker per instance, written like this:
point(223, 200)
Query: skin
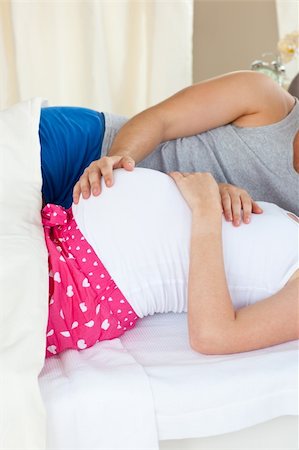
point(244, 98)
point(214, 326)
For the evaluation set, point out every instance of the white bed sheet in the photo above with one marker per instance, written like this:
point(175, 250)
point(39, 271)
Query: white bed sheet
point(193, 395)
point(98, 399)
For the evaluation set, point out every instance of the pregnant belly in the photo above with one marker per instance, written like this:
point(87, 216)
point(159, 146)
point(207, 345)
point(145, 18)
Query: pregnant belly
point(140, 230)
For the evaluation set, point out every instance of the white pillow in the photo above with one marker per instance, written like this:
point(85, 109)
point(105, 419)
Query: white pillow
point(23, 280)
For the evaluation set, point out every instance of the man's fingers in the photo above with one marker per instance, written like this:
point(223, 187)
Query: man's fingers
point(236, 208)
point(115, 162)
point(81, 187)
point(102, 168)
point(105, 169)
point(127, 163)
point(76, 192)
point(247, 207)
point(90, 180)
point(95, 181)
point(256, 209)
point(236, 211)
point(107, 174)
point(85, 186)
point(237, 204)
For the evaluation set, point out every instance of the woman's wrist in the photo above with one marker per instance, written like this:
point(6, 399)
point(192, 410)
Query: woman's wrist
point(207, 220)
point(212, 209)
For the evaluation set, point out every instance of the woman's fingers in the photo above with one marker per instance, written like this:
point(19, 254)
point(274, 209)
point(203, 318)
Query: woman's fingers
point(176, 176)
point(199, 189)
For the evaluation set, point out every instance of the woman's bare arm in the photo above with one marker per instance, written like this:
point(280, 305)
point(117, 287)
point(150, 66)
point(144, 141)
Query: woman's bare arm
point(214, 326)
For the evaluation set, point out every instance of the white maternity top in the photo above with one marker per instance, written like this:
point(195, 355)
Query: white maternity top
point(140, 229)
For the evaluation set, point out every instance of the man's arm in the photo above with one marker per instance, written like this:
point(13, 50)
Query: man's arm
point(247, 96)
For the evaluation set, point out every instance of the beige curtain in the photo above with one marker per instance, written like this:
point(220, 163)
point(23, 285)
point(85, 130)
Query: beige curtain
point(118, 56)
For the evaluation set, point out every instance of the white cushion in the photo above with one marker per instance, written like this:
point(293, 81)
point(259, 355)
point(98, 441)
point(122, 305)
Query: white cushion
point(23, 280)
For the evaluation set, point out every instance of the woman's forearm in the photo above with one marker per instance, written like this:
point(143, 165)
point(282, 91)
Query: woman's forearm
point(214, 326)
point(210, 309)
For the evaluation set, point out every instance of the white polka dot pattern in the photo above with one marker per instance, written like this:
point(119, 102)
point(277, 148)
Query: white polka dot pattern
point(79, 313)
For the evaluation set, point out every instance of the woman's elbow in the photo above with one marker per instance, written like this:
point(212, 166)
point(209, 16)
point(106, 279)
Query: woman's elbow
point(200, 349)
point(219, 341)
point(204, 345)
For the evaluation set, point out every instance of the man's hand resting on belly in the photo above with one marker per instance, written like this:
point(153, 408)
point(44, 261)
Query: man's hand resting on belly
point(90, 180)
point(237, 204)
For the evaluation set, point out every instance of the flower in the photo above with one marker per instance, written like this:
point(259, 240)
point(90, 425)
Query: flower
point(288, 46)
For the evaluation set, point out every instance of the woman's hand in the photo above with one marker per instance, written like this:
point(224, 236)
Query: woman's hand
point(90, 180)
point(234, 200)
point(200, 190)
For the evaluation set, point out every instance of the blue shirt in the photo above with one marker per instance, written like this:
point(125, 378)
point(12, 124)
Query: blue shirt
point(71, 138)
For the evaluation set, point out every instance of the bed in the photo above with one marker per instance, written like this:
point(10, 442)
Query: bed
point(173, 392)
point(146, 390)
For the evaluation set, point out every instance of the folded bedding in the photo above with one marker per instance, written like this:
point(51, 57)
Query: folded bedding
point(191, 395)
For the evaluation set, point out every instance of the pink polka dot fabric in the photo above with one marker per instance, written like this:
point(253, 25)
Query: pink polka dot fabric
point(85, 304)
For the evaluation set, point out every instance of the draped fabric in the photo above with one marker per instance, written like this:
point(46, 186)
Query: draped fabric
point(287, 18)
point(119, 55)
